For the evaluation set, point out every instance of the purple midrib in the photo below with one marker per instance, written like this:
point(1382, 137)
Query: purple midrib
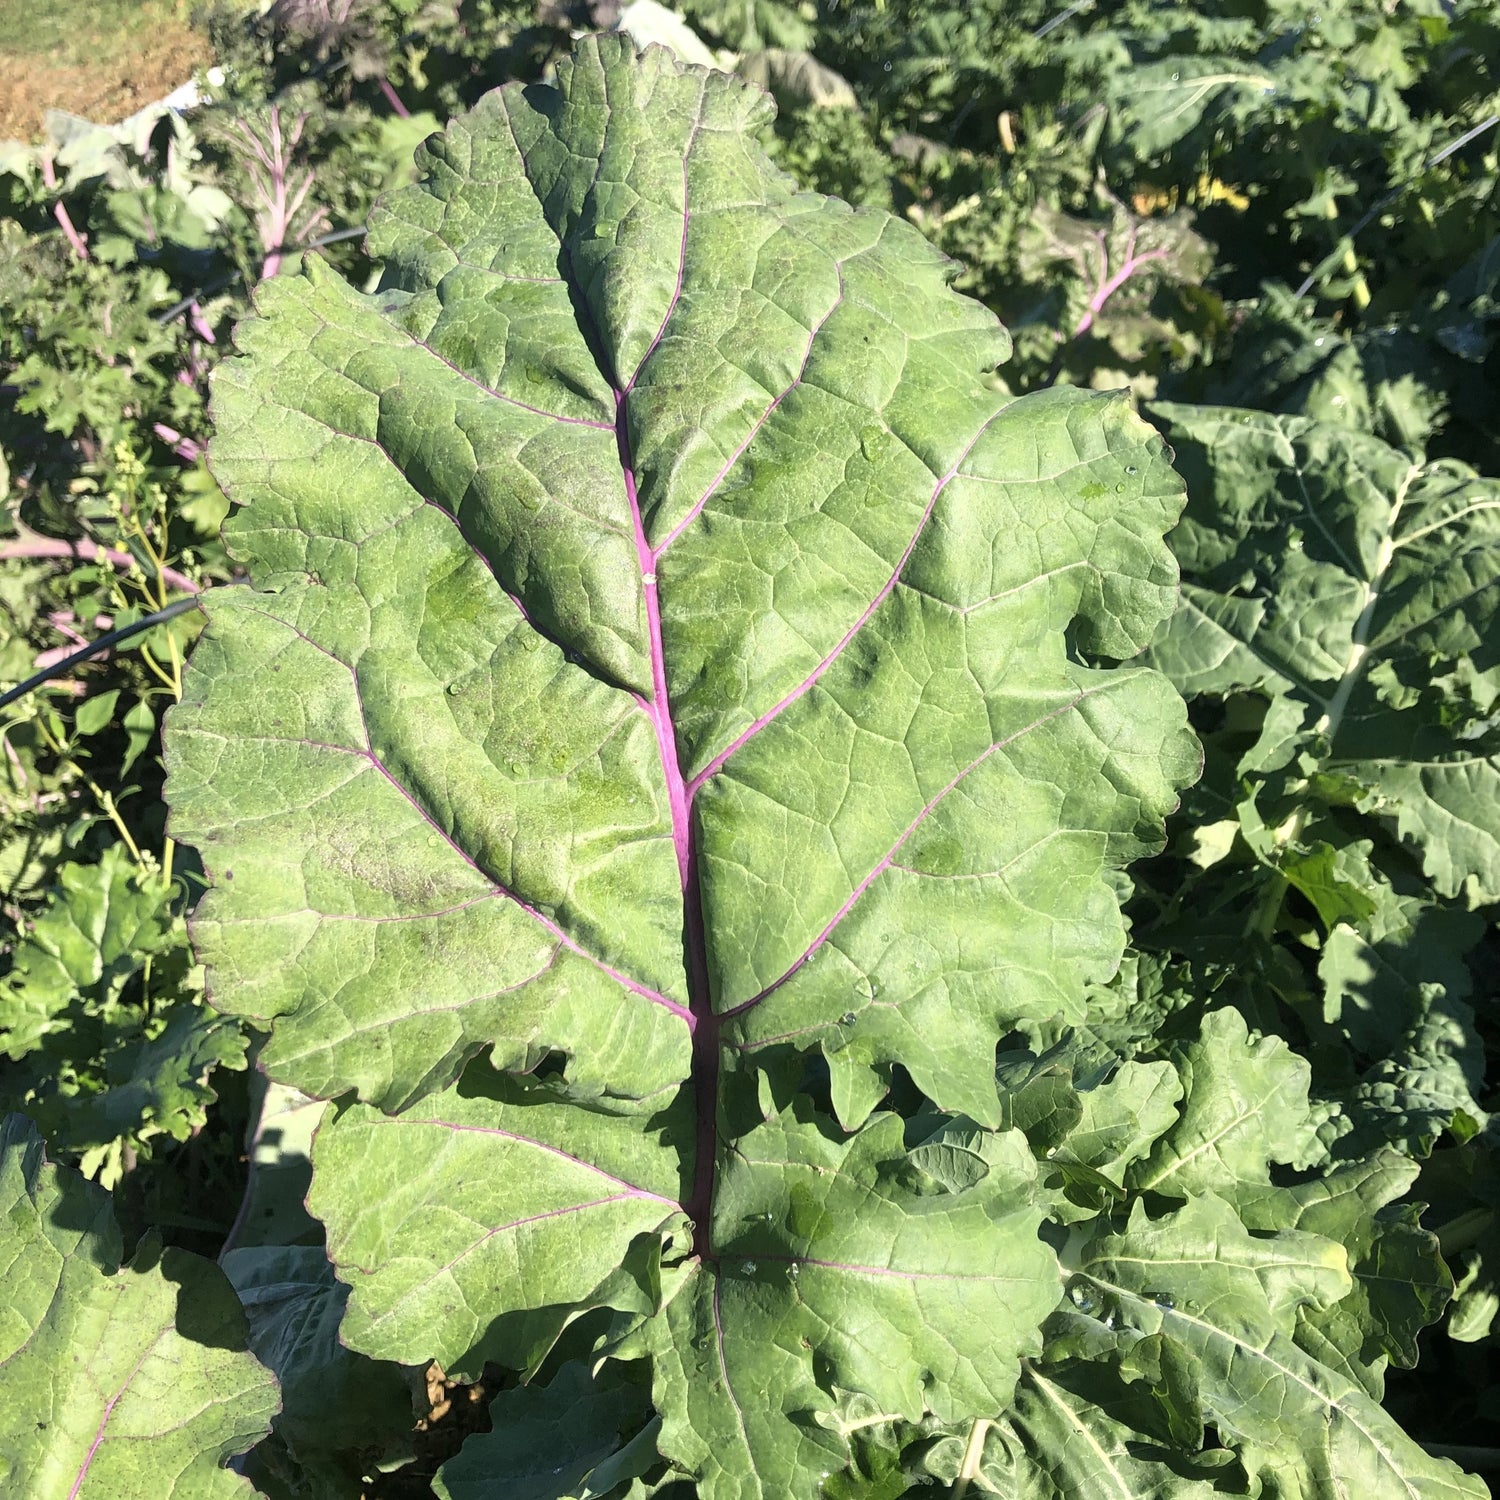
point(658, 707)
point(368, 753)
point(422, 1285)
point(109, 1409)
point(702, 1022)
point(628, 1189)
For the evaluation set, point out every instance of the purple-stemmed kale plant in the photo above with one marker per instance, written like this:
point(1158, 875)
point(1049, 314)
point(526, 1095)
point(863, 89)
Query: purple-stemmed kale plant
point(675, 729)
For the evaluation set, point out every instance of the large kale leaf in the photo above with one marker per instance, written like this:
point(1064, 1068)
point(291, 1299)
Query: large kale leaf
point(669, 664)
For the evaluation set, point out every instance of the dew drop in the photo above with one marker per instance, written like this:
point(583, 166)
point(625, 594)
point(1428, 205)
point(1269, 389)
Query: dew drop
point(1131, 469)
point(1081, 1295)
point(1176, 77)
point(534, 375)
point(794, 1270)
point(649, 579)
point(748, 1268)
point(1165, 1301)
point(517, 769)
point(886, 66)
point(531, 501)
point(1120, 489)
point(1109, 1321)
point(1319, 341)
point(531, 642)
point(848, 1018)
point(871, 442)
point(454, 690)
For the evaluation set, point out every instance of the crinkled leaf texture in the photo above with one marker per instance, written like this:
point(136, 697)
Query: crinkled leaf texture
point(117, 1383)
point(99, 1068)
point(665, 654)
point(1270, 1311)
point(1358, 590)
point(100, 926)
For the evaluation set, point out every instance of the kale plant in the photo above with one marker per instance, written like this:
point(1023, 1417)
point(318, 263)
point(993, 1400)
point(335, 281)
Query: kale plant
point(667, 780)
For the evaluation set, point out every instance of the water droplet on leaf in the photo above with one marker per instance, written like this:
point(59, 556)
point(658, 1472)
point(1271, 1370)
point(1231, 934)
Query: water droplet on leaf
point(531, 642)
point(649, 579)
point(1131, 469)
point(848, 1018)
point(748, 1268)
point(1081, 1295)
point(454, 690)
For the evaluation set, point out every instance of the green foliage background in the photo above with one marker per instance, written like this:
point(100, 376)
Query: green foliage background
point(1276, 222)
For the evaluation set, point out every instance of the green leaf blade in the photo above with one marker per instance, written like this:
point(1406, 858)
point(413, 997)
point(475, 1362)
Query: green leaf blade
point(120, 1383)
point(651, 601)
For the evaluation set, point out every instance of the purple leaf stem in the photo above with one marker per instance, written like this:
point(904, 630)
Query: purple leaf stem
point(704, 1024)
point(184, 447)
point(394, 99)
point(109, 1409)
point(1110, 285)
point(60, 211)
point(87, 551)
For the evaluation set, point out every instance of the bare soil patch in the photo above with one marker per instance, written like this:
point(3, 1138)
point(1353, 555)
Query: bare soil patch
point(102, 59)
